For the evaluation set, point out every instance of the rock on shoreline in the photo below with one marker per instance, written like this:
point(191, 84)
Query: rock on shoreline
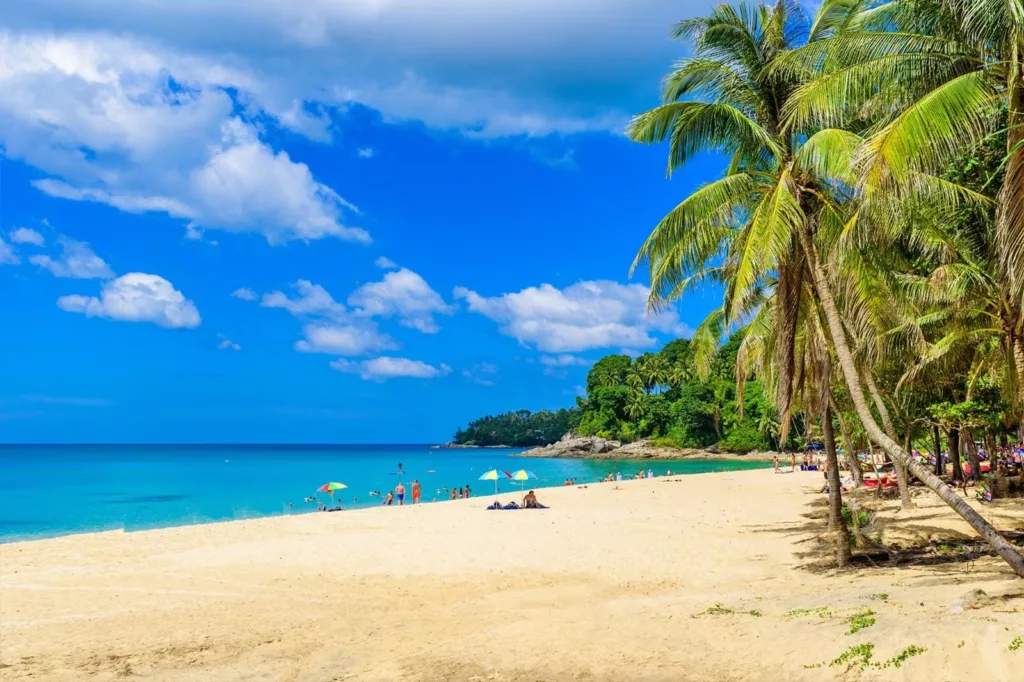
point(575, 446)
point(588, 447)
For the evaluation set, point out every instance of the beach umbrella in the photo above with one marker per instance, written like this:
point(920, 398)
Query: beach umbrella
point(495, 475)
point(522, 475)
point(329, 488)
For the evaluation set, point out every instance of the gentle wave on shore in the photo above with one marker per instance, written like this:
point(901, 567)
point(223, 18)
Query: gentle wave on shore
point(51, 490)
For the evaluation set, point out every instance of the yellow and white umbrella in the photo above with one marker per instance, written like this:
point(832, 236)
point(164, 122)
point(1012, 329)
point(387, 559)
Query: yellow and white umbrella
point(522, 475)
point(495, 475)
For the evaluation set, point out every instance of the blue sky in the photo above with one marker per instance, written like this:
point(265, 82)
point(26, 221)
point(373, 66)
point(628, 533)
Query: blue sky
point(368, 221)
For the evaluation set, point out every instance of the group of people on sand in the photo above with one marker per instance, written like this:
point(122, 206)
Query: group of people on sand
point(810, 462)
point(529, 502)
point(399, 494)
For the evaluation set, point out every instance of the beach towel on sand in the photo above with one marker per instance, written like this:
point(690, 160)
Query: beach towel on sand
point(511, 506)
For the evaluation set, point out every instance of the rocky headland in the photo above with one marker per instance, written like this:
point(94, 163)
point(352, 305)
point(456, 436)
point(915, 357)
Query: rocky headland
point(590, 447)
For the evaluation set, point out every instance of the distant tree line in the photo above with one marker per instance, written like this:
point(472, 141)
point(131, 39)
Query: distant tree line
point(657, 395)
point(520, 428)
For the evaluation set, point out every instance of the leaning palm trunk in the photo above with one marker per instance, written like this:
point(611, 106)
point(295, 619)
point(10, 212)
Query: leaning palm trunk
point(828, 304)
point(890, 431)
point(851, 454)
point(836, 525)
point(902, 477)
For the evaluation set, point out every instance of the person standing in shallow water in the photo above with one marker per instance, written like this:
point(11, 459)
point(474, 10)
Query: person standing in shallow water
point(467, 490)
point(416, 492)
point(400, 493)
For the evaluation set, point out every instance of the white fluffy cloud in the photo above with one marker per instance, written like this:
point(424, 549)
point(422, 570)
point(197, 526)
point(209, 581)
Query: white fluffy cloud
point(584, 316)
point(555, 365)
point(383, 368)
point(566, 66)
point(340, 338)
point(137, 297)
point(563, 360)
point(143, 128)
point(366, 153)
point(403, 294)
point(7, 254)
point(245, 293)
point(76, 260)
point(25, 235)
point(385, 263)
point(224, 343)
point(480, 373)
point(331, 328)
point(313, 300)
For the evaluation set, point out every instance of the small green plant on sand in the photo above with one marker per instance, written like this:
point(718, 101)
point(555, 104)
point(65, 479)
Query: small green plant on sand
point(755, 612)
point(1017, 643)
point(960, 645)
point(899, 659)
point(859, 621)
point(716, 610)
point(857, 656)
point(820, 611)
point(884, 596)
point(863, 517)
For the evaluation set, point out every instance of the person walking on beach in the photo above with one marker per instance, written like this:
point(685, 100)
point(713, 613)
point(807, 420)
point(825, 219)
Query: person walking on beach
point(792, 460)
point(415, 492)
point(775, 462)
point(467, 491)
point(400, 493)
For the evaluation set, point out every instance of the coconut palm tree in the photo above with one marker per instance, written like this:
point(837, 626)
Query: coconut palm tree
point(783, 201)
point(679, 374)
point(636, 408)
point(950, 74)
point(657, 372)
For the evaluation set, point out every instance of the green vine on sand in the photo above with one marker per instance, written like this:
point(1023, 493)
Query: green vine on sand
point(859, 621)
point(716, 610)
point(820, 611)
point(859, 656)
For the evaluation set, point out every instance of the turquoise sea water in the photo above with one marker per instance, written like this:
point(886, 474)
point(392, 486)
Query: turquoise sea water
point(49, 490)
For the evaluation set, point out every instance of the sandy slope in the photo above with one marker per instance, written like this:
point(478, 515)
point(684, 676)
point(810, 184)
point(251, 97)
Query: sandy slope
point(605, 585)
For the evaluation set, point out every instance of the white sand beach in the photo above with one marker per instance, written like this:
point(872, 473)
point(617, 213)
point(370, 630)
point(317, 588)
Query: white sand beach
point(608, 584)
